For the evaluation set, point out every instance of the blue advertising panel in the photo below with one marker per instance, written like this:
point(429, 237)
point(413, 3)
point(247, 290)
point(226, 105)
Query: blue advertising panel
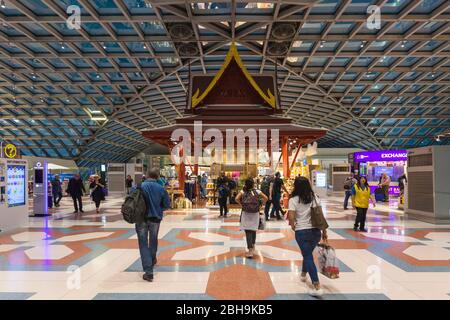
point(16, 185)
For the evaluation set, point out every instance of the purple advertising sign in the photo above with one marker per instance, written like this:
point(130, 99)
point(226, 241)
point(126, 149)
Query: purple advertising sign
point(393, 190)
point(381, 155)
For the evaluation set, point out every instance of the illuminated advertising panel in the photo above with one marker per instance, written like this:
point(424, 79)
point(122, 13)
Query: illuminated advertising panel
point(16, 185)
point(321, 179)
point(381, 155)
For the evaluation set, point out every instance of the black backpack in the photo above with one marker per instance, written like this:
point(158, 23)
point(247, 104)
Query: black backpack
point(134, 209)
point(223, 191)
point(232, 184)
point(348, 184)
point(250, 202)
point(265, 187)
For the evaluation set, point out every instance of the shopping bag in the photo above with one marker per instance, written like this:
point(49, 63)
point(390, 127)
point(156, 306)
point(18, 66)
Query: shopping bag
point(262, 222)
point(328, 262)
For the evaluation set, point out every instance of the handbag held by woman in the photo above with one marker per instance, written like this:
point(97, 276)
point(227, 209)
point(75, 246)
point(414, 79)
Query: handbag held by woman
point(317, 218)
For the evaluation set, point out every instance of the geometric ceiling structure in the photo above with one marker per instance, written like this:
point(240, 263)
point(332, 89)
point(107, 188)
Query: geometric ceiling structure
point(86, 92)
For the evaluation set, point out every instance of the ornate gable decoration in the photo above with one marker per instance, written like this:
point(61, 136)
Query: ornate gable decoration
point(261, 86)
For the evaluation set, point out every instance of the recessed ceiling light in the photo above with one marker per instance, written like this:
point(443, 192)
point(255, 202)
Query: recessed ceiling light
point(2, 4)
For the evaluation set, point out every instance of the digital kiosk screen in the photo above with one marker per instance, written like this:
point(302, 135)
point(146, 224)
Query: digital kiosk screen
point(38, 176)
point(16, 185)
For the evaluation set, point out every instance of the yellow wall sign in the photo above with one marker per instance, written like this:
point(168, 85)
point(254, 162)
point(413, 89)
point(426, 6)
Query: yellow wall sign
point(10, 151)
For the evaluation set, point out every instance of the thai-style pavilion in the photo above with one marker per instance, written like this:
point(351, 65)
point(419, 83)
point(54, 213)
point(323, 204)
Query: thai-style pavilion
point(234, 98)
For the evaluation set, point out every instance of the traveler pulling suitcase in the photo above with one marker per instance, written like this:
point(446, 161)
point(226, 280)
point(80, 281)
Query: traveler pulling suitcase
point(379, 194)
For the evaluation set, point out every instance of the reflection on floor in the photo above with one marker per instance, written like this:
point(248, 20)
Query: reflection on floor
point(201, 256)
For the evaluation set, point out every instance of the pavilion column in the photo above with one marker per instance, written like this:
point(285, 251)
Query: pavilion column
point(181, 172)
point(285, 156)
point(181, 176)
point(195, 172)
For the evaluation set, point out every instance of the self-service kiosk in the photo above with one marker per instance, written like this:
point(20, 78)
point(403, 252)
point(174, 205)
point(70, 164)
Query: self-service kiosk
point(40, 190)
point(319, 182)
point(13, 193)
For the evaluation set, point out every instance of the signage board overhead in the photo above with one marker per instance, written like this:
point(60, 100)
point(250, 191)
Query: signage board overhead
point(381, 155)
point(10, 151)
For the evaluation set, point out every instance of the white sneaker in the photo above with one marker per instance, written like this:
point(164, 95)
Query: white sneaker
point(315, 292)
point(303, 278)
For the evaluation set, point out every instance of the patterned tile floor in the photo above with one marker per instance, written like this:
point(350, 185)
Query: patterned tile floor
point(201, 256)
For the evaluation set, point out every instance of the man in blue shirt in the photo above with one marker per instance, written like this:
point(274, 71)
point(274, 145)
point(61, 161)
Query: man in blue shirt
point(157, 200)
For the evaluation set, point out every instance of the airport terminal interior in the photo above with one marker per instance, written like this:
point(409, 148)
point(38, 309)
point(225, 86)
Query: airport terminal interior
point(101, 94)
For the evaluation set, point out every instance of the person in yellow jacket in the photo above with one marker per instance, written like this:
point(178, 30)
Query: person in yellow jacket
point(360, 200)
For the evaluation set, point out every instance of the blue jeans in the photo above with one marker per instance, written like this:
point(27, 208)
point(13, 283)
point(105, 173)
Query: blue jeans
point(348, 194)
point(307, 240)
point(147, 233)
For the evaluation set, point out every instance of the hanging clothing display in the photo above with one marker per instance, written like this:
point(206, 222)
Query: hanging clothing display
point(190, 190)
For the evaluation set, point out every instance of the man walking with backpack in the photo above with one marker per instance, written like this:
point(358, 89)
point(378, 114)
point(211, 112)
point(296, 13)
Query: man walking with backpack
point(265, 188)
point(276, 188)
point(348, 185)
point(157, 200)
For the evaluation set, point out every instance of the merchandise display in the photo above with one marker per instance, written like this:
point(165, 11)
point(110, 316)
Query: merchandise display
point(182, 203)
point(211, 194)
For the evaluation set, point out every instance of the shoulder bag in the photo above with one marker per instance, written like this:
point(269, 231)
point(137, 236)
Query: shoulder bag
point(317, 218)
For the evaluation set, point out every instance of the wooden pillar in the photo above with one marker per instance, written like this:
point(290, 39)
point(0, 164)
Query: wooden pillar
point(195, 171)
point(295, 156)
point(285, 156)
point(181, 173)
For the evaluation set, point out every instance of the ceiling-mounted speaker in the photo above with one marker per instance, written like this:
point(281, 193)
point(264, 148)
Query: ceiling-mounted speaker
point(283, 31)
point(188, 49)
point(277, 48)
point(181, 31)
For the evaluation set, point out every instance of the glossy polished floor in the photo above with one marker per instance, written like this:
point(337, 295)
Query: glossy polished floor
point(95, 256)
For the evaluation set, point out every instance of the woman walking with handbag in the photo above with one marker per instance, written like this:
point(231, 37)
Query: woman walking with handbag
point(251, 219)
point(307, 220)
